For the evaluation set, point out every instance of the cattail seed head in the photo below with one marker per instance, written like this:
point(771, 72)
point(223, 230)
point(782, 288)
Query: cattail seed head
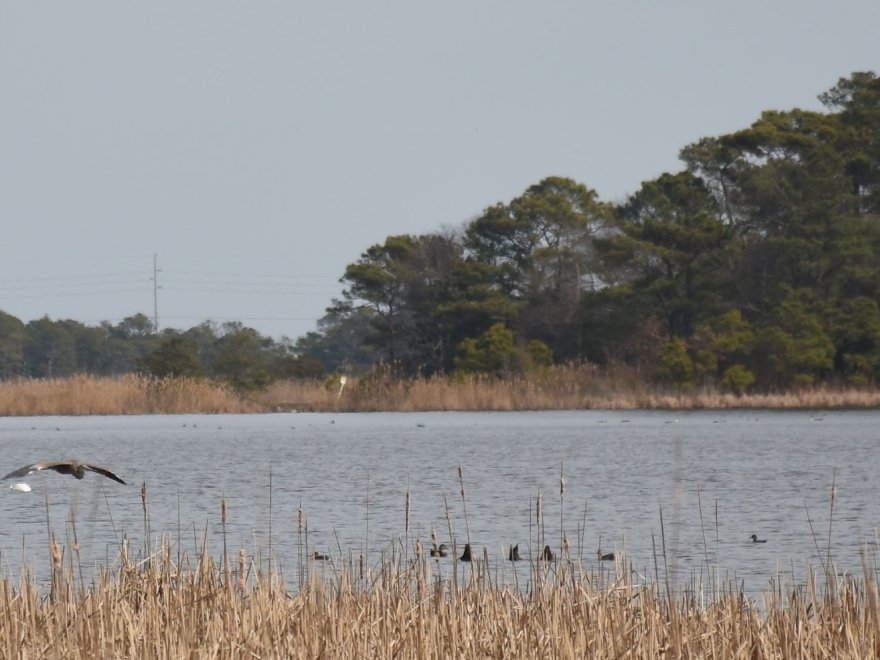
point(242, 575)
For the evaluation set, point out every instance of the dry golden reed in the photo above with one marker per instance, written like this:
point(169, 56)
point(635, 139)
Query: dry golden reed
point(122, 395)
point(162, 609)
point(560, 388)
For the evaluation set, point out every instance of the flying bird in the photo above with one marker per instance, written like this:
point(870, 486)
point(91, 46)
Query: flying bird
point(71, 467)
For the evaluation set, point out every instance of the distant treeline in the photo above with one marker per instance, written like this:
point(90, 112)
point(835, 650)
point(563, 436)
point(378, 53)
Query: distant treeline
point(756, 267)
point(228, 352)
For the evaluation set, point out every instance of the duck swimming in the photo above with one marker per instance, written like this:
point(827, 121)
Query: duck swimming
point(466, 555)
point(319, 557)
point(513, 555)
point(608, 556)
point(547, 554)
point(439, 551)
point(755, 539)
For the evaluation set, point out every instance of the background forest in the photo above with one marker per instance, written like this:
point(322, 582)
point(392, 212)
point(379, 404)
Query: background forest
point(755, 267)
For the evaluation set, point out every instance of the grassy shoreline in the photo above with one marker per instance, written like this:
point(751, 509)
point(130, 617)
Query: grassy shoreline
point(562, 388)
point(213, 607)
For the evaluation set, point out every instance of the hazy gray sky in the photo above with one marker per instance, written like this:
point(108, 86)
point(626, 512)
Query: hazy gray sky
point(259, 147)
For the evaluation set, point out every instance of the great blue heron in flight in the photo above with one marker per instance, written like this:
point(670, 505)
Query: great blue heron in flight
point(71, 466)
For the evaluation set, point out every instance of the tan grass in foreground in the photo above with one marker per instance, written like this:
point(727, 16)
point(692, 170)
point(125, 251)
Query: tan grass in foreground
point(560, 388)
point(162, 610)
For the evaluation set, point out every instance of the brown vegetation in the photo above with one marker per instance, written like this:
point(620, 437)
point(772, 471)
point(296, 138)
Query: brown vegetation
point(122, 395)
point(559, 388)
point(160, 608)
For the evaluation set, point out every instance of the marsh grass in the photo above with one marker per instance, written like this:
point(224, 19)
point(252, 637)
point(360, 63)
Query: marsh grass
point(122, 395)
point(163, 608)
point(410, 606)
point(560, 388)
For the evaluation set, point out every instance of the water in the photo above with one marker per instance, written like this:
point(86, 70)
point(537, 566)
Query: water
point(715, 477)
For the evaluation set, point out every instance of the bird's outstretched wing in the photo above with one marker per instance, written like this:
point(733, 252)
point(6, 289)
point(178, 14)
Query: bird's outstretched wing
point(26, 470)
point(104, 471)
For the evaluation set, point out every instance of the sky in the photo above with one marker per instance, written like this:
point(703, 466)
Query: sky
point(256, 148)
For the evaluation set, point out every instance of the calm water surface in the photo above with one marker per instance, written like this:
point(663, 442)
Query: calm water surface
point(715, 477)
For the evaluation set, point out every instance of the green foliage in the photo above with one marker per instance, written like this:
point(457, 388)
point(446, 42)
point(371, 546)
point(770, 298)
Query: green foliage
point(176, 355)
point(496, 352)
point(670, 251)
point(724, 341)
point(538, 252)
point(13, 337)
point(240, 359)
point(856, 334)
point(794, 350)
point(676, 365)
point(241, 356)
point(737, 378)
point(493, 352)
point(540, 355)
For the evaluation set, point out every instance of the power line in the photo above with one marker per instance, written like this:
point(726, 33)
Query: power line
point(257, 275)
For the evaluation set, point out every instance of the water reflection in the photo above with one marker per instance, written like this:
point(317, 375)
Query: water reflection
point(712, 478)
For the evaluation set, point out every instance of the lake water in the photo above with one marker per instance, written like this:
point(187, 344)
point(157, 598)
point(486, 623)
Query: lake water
point(715, 477)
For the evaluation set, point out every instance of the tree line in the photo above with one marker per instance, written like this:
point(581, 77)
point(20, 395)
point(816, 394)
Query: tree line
point(228, 352)
point(755, 266)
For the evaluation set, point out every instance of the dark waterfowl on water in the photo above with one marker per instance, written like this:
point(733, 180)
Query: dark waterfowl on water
point(319, 557)
point(439, 551)
point(547, 554)
point(71, 467)
point(608, 556)
point(466, 555)
point(755, 539)
point(513, 555)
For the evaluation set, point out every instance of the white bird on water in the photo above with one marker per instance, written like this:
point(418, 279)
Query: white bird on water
point(20, 488)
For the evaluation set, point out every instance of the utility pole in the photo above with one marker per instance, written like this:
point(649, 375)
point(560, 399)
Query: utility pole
point(155, 293)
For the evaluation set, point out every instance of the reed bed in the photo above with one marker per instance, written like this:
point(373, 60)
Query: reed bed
point(162, 608)
point(560, 388)
point(122, 395)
